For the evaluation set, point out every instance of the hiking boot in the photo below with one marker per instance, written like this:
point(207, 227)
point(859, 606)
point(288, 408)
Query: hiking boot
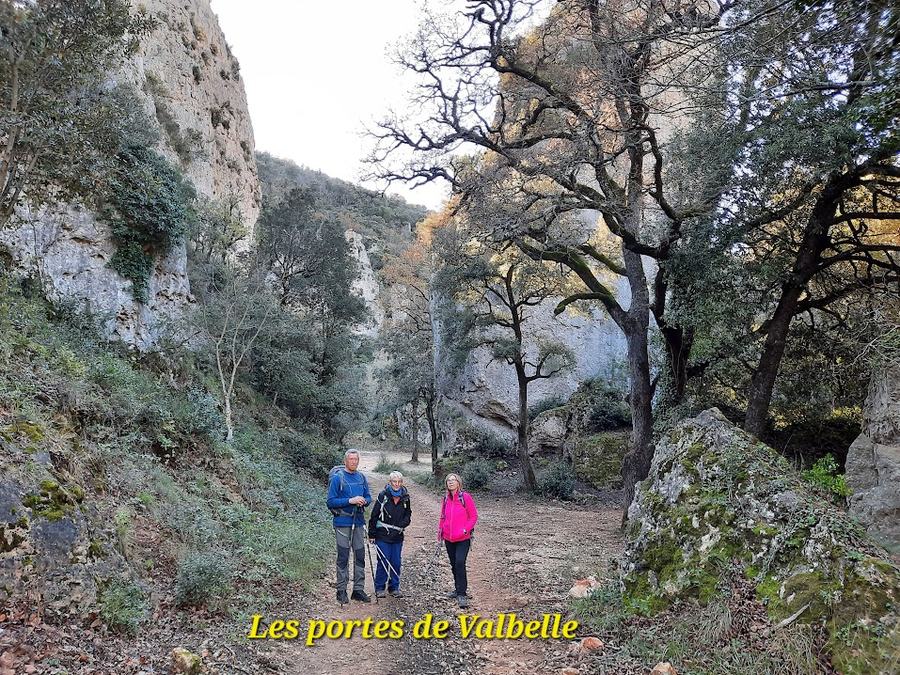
point(396, 593)
point(451, 595)
point(360, 596)
point(381, 594)
point(342, 598)
point(463, 601)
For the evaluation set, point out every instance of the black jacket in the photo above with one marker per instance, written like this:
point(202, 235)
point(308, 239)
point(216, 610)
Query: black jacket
point(385, 510)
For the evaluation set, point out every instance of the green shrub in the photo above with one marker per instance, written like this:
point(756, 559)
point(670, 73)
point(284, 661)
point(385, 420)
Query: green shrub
point(123, 606)
point(196, 412)
point(601, 610)
point(545, 405)
point(148, 206)
point(291, 547)
point(477, 473)
point(824, 474)
point(385, 465)
point(312, 453)
point(425, 478)
point(202, 578)
point(487, 444)
point(608, 410)
point(558, 481)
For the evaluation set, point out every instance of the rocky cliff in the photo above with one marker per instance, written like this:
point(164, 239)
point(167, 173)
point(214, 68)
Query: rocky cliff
point(190, 85)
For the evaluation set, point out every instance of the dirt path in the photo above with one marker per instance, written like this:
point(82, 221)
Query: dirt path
point(524, 558)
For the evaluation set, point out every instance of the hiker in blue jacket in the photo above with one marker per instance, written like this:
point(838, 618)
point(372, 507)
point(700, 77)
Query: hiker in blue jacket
point(348, 496)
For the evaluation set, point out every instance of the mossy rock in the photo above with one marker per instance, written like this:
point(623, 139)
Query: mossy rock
point(53, 501)
point(717, 498)
point(597, 458)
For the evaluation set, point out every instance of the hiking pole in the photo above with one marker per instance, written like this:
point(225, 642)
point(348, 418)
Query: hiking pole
point(350, 543)
point(387, 563)
point(369, 551)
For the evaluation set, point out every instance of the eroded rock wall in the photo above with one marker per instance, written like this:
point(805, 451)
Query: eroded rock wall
point(190, 85)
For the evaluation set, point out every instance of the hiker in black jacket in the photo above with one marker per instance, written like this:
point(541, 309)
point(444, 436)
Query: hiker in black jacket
point(391, 513)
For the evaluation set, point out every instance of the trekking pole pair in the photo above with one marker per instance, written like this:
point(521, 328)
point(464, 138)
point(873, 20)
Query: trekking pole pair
point(387, 563)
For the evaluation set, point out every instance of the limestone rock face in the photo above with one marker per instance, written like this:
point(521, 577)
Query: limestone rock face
point(366, 285)
point(190, 85)
point(716, 499)
point(873, 461)
point(193, 82)
point(484, 393)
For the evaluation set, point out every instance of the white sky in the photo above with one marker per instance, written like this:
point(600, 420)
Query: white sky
point(316, 72)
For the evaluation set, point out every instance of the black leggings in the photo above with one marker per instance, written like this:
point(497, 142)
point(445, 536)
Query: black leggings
point(457, 551)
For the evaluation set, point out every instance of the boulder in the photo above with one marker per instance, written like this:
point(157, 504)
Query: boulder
point(185, 661)
point(549, 430)
point(664, 668)
point(717, 499)
point(584, 587)
point(51, 554)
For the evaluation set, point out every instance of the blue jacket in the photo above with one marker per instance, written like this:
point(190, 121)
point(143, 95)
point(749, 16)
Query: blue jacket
point(354, 485)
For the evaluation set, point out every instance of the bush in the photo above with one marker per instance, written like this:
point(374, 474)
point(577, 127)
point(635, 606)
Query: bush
point(558, 481)
point(202, 577)
point(487, 444)
point(312, 453)
point(477, 473)
point(148, 206)
point(287, 546)
point(824, 474)
point(608, 411)
point(386, 466)
point(545, 405)
point(123, 606)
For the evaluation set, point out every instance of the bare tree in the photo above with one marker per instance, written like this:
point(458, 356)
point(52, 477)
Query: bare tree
point(590, 111)
point(497, 291)
point(563, 114)
point(235, 311)
point(408, 339)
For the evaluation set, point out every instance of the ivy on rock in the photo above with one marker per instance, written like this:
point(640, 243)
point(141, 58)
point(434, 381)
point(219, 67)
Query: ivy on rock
point(148, 204)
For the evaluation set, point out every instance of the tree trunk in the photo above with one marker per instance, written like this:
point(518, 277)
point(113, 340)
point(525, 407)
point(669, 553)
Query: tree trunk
point(636, 464)
point(415, 430)
point(229, 426)
point(522, 430)
point(432, 428)
point(815, 240)
point(635, 326)
point(678, 343)
point(763, 383)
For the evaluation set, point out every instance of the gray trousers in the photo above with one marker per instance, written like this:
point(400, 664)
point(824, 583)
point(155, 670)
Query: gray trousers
point(342, 536)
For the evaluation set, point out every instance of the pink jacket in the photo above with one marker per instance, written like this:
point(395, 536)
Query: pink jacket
point(458, 517)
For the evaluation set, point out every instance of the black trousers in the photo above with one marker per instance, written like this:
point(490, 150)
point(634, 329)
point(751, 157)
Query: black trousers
point(458, 551)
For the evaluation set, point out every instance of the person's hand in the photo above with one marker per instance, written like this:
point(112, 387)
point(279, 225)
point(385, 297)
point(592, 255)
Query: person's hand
point(358, 501)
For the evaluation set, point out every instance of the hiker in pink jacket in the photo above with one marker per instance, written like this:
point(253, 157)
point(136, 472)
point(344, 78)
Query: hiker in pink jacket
point(458, 518)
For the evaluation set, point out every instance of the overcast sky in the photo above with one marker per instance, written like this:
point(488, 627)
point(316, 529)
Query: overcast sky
point(316, 72)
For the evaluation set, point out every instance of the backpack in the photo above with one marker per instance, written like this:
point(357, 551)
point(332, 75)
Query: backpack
point(339, 470)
